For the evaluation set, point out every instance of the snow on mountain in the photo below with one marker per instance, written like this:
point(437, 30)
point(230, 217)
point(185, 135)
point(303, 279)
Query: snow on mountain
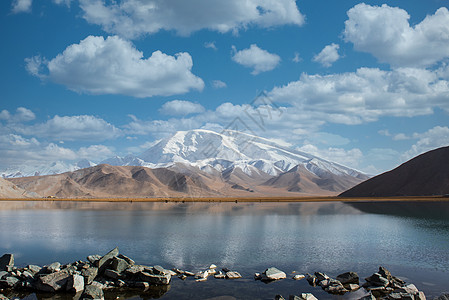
point(45, 169)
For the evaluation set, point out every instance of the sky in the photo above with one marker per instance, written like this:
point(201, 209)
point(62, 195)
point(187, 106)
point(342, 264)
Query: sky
point(364, 84)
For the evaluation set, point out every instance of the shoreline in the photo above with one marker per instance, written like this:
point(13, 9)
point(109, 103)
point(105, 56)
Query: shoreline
point(438, 198)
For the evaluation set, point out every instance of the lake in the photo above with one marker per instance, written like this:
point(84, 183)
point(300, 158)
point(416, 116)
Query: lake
point(409, 239)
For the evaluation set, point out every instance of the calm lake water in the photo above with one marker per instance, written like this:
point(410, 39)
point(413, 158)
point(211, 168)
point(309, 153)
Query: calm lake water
point(410, 239)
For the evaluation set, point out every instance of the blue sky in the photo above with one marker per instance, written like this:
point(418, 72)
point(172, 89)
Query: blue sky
point(365, 84)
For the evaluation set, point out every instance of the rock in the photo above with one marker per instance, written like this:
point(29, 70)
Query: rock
point(104, 261)
point(141, 285)
point(33, 269)
point(127, 259)
point(89, 274)
point(368, 297)
point(108, 273)
point(182, 277)
point(279, 297)
point(352, 286)
point(348, 277)
point(442, 297)
point(2, 297)
point(52, 268)
point(93, 259)
point(420, 296)
point(134, 270)
point(273, 274)
point(3, 273)
point(293, 297)
point(233, 275)
point(380, 291)
point(385, 273)
point(158, 270)
point(7, 262)
point(257, 276)
point(307, 296)
point(188, 273)
point(75, 284)
point(336, 289)
point(92, 292)
point(154, 278)
point(321, 276)
point(27, 275)
point(220, 275)
point(52, 282)
point(119, 265)
point(408, 289)
point(298, 277)
point(178, 271)
point(9, 282)
point(212, 266)
point(225, 270)
point(311, 279)
point(202, 274)
point(377, 280)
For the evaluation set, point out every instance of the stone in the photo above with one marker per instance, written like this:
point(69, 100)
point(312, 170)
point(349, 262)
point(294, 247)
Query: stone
point(27, 275)
point(92, 292)
point(3, 273)
point(188, 273)
point(108, 273)
point(54, 267)
point(155, 279)
point(225, 270)
point(127, 259)
point(119, 265)
point(89, 274)
point(368, 297)
point(9, 282)
point(408, 289)
point(182, 276)
point(212, 266)
point(141, 285)
point(442, 297)
point(348, 277)
point(257, 276)
point(33, 269)
point(380, 291)
point(233, 275)
point(158, 270)
point(7, 262)
point(52, 282)
point(352, 286)
point(377, 280)
point(293, 297)
point(298, 277)
point(75, 284)
point(321, 276)
point(420, 296)
point(178, 271)
point(93, 259)
point(279, 297)
point(385, 273)
point(3, 297)
point(273, 274)
point(307, 296)
point(202, 274)
point(220, 275)
point(104, 261)
point(311, 279)
point(134, 270)
point(336, 289)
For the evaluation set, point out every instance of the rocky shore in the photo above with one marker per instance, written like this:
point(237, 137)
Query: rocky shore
point(113, 271)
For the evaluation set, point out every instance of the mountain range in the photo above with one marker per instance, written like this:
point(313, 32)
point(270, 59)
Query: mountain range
point(198, 163)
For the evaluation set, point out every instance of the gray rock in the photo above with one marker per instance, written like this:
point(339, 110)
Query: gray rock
point(104, 261)
point(352, 286)
point(108, 273)
point(442, 297)
point(311, 279)
point(279, 297)
point(7, 262)
point(92, 292)
point(27, 275)
point(75, 284)
point(33, 269)
point(377, 280)
point(119, 265)
point(307, 296)
point(293, 297)
point(257, 276)
point(188, 273)
point(141, 285)
point(3, 273)
point(220, 275)
point(233, 275)
point(158, 270)
point(93, 259)
point(54, 267)
point(273, 274)
point(321, 276)
point(89, 274)
point(408, 289)
point(420, 296)
point(368, 297)
point(52, 282)
point(182, 276)
point(155, 279)
point(127, 259)
point(9, 282)
point(348, 277)
point(298, 277)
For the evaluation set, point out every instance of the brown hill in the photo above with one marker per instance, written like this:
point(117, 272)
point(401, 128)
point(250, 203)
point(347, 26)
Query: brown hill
point(299, 179)
point(424, 175)
point(10, 190)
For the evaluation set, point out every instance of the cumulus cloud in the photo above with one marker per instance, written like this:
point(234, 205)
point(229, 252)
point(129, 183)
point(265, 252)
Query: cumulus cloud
point(297, 58)
point(22, 115)
point(218, 84)
point(133, 18)
point(63, 2)
point(431, 139)
point(181, 108)
point(328, 55)
point(95, 152)
point(350, 158)
point(385, 32)
point(210, 45)
point(366, 95)
point(114, 66)
point(258, 59)
point(21, 6)
point(73, 128)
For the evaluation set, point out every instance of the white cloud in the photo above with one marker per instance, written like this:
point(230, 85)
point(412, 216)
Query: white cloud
point(114, 66)
point(19, 6)
point(61, 2)
point(328, 55)
point(258, 59)
point(365, 95)
point(297, 58)
point(350, 158)
point(385, 32)
point(210, 45)
point(400, 137)
point(22, 115)
point(133, 18)
point(218, 84)
point(73, 128)
point(181, 108)
point(429, 140)
point(95, 152)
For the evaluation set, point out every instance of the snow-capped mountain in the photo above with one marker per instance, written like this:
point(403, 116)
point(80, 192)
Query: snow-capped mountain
point(230, 149)
point(46, 169)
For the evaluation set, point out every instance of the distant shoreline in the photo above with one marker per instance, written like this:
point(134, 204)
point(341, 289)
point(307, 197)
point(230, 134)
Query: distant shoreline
point(244, 199)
